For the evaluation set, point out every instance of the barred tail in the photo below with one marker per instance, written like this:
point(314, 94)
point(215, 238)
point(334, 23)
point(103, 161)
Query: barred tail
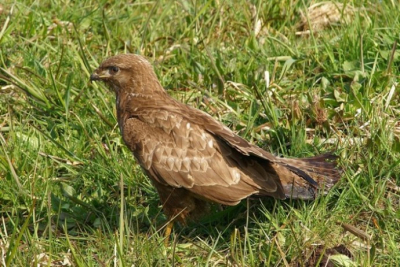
point(308, 177)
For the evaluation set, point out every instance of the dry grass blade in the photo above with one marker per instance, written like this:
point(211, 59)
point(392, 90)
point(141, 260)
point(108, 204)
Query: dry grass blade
point(355, 231)
point(322, 15)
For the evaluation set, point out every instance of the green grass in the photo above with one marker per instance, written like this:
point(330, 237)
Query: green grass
point(71, 191)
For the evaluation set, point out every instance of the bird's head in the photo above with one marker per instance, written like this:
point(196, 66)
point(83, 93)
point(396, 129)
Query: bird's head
point(127, 72)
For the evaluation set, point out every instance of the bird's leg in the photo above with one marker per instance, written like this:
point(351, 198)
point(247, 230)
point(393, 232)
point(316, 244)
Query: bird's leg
point(168, 230)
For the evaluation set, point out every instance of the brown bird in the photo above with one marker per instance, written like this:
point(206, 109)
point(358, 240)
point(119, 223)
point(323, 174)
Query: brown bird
point(193, 159)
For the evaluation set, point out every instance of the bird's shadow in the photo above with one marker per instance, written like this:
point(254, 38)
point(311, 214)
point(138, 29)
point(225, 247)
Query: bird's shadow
point(147, 218)
point(223, 221)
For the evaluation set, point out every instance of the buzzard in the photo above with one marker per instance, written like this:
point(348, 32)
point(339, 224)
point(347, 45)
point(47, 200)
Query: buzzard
point(193, 159)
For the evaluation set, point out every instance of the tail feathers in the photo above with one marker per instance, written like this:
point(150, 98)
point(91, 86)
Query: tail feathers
point(307, 177)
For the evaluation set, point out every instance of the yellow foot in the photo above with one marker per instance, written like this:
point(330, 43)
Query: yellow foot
point(168, 230)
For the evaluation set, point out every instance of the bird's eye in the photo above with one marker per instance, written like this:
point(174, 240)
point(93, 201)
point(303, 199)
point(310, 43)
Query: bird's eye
point(113, 69)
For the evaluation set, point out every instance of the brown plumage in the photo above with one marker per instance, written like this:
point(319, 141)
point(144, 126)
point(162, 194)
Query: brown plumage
point(190, 157)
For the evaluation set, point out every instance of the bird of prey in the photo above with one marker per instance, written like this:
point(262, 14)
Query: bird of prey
point(193, 159)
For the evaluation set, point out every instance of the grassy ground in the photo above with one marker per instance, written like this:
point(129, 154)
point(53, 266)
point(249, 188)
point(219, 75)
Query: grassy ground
point(71, 194)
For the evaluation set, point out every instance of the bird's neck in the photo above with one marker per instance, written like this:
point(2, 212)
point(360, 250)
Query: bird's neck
point(131, 104)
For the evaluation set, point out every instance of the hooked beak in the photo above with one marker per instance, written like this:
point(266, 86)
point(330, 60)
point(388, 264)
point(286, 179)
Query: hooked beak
point(95, 76)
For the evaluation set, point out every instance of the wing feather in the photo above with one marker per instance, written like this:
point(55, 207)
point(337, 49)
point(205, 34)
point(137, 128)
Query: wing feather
point(181, 153)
